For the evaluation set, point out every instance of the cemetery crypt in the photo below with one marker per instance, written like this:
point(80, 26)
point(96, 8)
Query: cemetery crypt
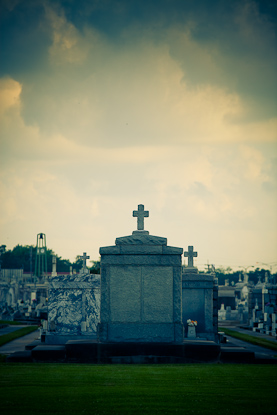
point(144, 295)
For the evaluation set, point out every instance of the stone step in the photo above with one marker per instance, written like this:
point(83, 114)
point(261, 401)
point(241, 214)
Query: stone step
point(20, 357)
point(91, 351)
point(236, 355)
point(32, 345)
point(53, 353)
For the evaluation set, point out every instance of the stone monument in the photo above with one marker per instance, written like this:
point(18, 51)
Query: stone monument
point(141, 292)
point(73, 306)
point(84, 269)
point(199, 300)
point(54, 266)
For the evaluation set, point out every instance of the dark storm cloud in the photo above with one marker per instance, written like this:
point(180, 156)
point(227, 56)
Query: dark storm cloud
point(24, 38)
point(238, 35)
point(213, 17)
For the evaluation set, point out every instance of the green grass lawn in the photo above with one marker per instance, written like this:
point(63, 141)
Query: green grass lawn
point(258, 341)
point(6, 338)
point(137, 389)
point(10, 323)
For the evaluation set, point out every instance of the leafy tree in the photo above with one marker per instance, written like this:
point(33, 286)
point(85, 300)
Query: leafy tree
point(2, 249)
point(24, 257)
point(18, 257)
point(95, 269)
point(63, 265)
point(78, 263)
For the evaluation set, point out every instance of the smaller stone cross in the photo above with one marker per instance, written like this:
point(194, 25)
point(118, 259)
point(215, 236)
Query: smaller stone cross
point(84, 258)
point(140, 214)
point(54, 266)
point(190, 254)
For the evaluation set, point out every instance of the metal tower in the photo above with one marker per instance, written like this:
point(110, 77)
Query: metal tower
point(41, 256)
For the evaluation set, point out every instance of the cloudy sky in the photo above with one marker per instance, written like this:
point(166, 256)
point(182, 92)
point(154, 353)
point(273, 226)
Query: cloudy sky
point(107, 104)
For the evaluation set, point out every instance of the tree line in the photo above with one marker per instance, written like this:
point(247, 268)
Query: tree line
point(233, 277)
point(24, 257)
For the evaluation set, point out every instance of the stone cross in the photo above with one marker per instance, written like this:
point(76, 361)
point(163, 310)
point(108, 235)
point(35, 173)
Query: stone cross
point(140, 214)
point(84, 258)
point(190, 254)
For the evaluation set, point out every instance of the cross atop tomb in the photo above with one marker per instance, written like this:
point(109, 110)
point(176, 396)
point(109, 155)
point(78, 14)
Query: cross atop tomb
point(84, 258)
point(140, 214)
point(190, 254)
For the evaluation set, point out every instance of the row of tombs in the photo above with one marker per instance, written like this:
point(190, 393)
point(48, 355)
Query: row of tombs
point(143, 295)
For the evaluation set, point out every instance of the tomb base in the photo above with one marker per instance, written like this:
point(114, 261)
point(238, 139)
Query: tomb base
point(64, 338)
point(135, 332)
point(187, 351)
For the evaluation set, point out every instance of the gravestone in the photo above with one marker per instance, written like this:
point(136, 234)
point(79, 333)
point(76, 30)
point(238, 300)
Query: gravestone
point(222, 313)
point(191, 332)
point(199, 300)
point(141, 288)
point(262, 303)
point(84, 269)
point(228, 313)
point(54, 266)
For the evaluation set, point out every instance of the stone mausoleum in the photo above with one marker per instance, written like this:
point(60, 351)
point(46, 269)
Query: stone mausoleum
point(199, 300)
point(141, 288)
point(73, 306)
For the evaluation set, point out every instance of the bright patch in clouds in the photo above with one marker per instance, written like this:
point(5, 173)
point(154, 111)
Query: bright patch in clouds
point(10, 91)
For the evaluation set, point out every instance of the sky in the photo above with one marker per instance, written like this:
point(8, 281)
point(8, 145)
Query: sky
point(108, 104)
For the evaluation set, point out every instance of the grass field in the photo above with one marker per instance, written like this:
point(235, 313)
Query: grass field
point(6, 338)
point(10, 323)
point(258, 341)
point(137, 389)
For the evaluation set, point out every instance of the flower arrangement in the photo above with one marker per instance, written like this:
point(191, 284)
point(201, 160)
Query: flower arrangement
point(192, 323)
